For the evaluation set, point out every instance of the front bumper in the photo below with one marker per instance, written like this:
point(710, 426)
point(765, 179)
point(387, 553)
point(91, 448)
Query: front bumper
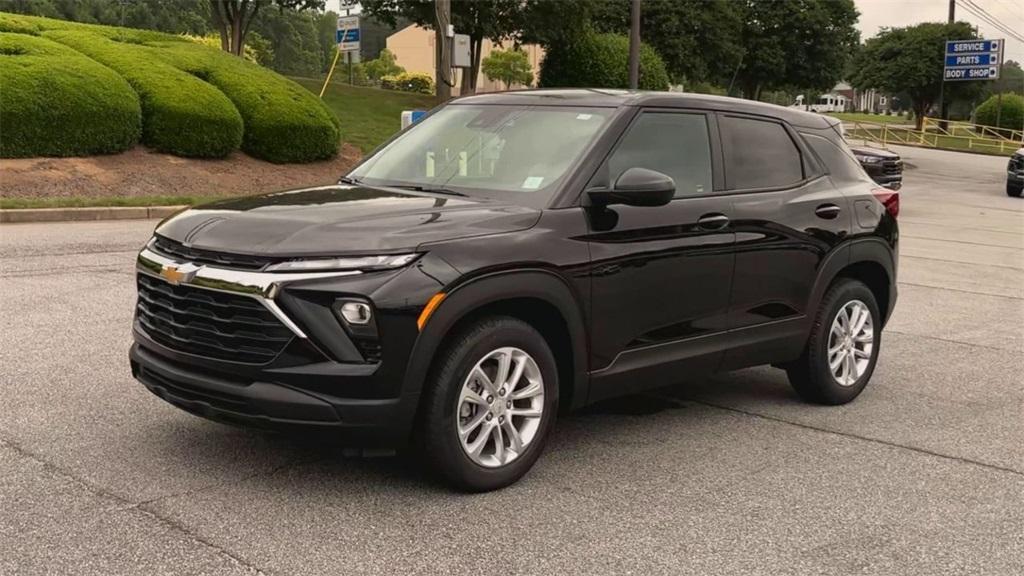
point(1015, 178)
point(267, 404)
point(325, 377)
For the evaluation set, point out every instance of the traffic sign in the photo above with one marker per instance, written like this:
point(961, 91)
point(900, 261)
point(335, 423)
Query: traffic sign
point(972, 60)
point(347, 35)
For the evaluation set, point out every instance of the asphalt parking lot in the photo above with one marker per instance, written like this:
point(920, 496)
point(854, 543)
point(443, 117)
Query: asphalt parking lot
point(923, 474)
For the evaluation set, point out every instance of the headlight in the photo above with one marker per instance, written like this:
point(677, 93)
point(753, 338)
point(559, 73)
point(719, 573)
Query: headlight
point(385, 262)
point(867, 159)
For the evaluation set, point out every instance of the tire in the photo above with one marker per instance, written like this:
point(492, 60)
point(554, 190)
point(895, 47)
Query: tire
point(449, 403)
point(812, 376)
point(1014, 191)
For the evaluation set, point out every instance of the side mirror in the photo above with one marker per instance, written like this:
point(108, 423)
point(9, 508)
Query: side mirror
point(637, 187)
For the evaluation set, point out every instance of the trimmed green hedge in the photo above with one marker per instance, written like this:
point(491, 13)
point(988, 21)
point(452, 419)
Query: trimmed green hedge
point(594, 60)
point(1011, 116)
point(181, 114)
point(284, 122)
point(56, 102)
point(200, 101)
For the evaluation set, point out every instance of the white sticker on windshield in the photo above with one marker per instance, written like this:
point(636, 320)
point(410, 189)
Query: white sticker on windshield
point(532, 182)
point(584, 116)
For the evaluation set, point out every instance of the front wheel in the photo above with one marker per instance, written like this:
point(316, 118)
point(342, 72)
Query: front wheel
point(1014, 191)
point(489, 405)
point(843, 347)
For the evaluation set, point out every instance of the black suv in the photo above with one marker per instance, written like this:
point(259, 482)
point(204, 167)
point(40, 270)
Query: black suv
point(516, 253)
point(884, 167)
point(1015, 174)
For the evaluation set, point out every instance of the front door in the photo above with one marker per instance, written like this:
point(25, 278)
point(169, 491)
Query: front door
point(660, 275)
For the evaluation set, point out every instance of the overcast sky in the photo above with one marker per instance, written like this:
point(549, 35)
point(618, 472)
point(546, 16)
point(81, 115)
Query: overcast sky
point(875, 14)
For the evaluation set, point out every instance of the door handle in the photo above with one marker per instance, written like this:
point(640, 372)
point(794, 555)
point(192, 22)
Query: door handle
point(827, 211)
point(713, 221)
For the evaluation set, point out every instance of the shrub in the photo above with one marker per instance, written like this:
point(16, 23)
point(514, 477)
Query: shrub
point(383, 65)
point(56, 102)
point(409, 82)
point(600, 61)
point(284, 122)
point(1012, 115)
point(181, 114)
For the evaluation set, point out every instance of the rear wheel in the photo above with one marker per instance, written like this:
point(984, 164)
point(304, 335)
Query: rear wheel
point(843, 347)
point(489, 405)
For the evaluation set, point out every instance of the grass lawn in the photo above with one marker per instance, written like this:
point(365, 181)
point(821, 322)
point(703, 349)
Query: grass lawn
point(368, 116)
point(865, 117)
point(84, 202)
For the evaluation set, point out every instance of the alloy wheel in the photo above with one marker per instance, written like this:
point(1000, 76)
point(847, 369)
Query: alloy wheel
point(850, 343)
point(499, 407)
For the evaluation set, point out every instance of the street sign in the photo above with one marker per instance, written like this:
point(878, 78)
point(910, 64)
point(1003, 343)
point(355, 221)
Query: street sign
point(347, 35)
point(972, 60)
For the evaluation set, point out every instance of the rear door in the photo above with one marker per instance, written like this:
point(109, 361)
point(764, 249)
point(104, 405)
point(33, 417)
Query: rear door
point(660, 275)
point(788, 219)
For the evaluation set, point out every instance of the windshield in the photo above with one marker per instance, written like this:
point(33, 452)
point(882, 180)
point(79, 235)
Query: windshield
point(515, 153)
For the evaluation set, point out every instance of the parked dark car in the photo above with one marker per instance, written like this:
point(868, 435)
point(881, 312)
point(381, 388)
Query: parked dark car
point(513, 254)
point(1015, 174)
point(884, 167)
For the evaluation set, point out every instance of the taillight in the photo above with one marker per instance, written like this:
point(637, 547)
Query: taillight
point(890, 199)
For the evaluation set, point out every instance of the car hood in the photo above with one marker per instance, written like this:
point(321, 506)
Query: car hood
point(874, 152)
point(340, 220)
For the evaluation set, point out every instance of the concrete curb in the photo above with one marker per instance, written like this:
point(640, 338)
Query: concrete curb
point(25, 215)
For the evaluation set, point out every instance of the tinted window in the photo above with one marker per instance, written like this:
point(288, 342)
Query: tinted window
point(671, 143)
point(842, 166)
point(759, 154)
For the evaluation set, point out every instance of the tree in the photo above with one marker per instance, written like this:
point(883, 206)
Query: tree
point(794, 43)
point(383, 65)
point(492, 19)
point(508, 66)
point(600, 61)
point(232, 18)
point(910, 60)
point(699, 40)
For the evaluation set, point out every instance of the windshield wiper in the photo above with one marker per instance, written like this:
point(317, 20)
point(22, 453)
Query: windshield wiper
point(427, 189)
point(348, 180)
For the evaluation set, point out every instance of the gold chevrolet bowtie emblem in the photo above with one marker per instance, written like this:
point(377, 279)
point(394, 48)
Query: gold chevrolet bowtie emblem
point(178, 273)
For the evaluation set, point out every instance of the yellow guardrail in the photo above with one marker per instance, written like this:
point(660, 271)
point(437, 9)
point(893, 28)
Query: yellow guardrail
point(948, 138)
point(971, 130)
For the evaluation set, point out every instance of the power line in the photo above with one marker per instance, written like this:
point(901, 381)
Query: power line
point(987, 18)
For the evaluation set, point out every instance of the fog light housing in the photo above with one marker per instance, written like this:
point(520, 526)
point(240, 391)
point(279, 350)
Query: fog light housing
point(355, 313)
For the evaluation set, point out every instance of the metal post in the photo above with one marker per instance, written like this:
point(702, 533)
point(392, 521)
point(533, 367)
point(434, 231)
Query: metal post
point(330, 72)
point(348, 58)
point(952, 11)
point(634, 45)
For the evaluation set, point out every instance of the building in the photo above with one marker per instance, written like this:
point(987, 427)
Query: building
point(413, 47)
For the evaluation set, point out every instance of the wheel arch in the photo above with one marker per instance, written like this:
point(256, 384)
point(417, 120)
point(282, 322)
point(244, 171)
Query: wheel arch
point(870, 261)
point(539, 297)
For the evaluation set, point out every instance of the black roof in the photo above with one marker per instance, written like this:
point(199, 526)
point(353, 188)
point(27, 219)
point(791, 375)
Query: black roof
point(610, 98)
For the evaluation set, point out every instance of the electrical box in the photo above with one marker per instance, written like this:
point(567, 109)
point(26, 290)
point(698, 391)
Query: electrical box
point(461, 52)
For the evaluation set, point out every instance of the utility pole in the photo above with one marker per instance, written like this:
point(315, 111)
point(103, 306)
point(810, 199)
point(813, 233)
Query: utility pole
point(943, 105)
point(442, 51)
point(634, 45)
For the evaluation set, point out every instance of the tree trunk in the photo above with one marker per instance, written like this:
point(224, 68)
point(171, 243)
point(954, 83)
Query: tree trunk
point(232, 19)
point(442, 90)
point(920, 109)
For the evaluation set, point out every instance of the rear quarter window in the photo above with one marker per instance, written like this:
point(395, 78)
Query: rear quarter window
point(838, 159)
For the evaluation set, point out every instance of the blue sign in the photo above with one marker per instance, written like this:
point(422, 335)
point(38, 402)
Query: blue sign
point(346, 36)
point(972, 60)
point(984, 73)
point(973, 46)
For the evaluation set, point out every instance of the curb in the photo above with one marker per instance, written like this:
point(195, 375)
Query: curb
point(25, 215)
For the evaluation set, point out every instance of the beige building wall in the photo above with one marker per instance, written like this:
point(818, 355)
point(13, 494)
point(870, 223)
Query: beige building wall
point(413, 47)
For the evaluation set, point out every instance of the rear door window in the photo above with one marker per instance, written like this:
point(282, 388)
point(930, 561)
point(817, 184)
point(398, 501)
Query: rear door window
point(759, 154)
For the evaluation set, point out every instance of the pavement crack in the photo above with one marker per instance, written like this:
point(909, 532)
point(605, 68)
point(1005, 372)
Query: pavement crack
point(948, 340)
point(902, 283)
point(849, 435)
point(127, 506)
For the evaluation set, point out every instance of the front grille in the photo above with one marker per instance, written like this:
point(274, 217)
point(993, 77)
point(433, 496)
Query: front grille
point(179, 251)
point(211, 324)
point(892, 167)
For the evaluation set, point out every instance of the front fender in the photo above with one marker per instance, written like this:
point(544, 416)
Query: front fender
point(465, 297)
